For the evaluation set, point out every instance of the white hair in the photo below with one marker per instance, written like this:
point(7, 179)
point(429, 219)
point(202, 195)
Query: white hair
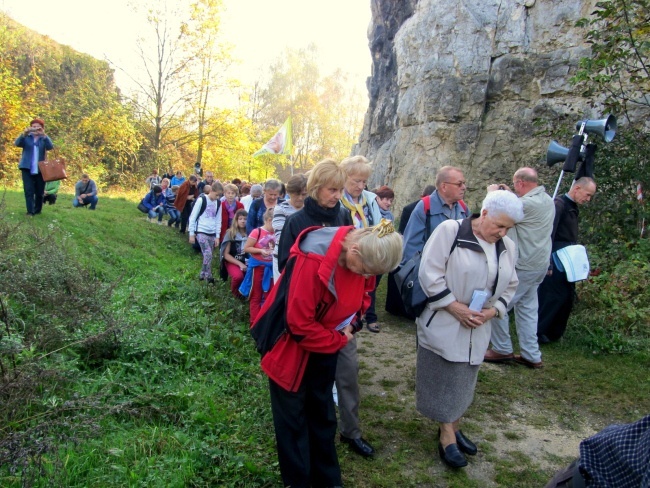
point(501, 202)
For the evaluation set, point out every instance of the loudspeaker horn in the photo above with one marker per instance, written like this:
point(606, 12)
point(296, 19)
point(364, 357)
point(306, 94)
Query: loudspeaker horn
point(556, 153)
point(605, 128)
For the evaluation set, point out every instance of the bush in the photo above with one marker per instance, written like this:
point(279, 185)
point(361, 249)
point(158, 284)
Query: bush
point(613, 313)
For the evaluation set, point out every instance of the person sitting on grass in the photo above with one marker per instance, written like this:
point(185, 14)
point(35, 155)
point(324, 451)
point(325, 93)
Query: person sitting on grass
point(155, 203)
point(259, 275)
point(232, 250)
point(204, 227)
point(170, 198)
point(85, 193)
point(50, 193)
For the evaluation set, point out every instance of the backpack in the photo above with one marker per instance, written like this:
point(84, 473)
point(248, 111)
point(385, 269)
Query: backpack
point(269, 327)
point(414, 299)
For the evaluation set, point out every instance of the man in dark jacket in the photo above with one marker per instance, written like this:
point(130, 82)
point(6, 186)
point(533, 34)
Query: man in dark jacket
point(556, 294)
point(408, 210)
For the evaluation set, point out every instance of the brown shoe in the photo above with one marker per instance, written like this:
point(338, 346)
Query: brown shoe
point(491, 356)
point(526, 362)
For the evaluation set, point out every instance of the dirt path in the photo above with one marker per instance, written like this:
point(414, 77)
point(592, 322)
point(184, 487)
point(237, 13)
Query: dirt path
point(517, 431)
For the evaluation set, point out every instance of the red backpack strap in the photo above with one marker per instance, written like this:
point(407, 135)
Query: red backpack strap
point(464, 206)
point(427, 204)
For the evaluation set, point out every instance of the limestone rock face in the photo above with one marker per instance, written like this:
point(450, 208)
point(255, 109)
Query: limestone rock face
point(468, 83)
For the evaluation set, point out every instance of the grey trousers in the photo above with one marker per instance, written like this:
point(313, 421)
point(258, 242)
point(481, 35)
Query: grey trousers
point(347, 387)
point(525, 304)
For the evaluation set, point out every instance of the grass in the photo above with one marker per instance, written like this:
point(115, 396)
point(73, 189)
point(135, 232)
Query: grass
point(176, 397)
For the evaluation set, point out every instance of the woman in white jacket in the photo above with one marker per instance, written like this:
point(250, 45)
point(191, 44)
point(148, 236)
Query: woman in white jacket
point(461, 259)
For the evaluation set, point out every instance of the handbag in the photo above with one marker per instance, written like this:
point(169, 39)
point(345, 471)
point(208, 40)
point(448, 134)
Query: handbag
point(52, 170)
point(142, 208)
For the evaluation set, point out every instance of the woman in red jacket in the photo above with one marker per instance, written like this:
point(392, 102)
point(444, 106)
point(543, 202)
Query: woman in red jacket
point(333, 271)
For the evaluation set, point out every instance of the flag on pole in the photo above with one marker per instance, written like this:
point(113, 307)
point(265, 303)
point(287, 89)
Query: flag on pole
point(281, 142)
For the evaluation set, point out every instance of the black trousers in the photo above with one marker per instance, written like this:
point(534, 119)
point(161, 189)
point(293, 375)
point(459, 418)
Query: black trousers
point(34, 187)
point(50, 199)
point(185, 216)
point(556, 297)
point(305, 427)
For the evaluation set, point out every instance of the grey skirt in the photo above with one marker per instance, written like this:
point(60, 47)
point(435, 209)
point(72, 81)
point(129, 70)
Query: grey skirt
point(444, 390)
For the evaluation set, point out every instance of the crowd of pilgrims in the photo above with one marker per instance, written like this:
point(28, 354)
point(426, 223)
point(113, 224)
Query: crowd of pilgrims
point(244, 222)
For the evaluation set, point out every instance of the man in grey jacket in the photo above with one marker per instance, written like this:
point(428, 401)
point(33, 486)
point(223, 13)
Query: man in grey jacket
point(533, 238)
point(85, 193)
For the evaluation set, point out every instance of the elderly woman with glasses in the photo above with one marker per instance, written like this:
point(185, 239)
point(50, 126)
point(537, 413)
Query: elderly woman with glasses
point(468, 271)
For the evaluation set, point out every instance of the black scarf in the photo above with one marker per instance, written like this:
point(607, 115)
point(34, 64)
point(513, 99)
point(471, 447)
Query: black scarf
point(322, 214)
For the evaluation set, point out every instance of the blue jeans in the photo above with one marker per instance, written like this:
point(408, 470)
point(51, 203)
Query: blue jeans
point(159, 212)
point(33, 186)
point(174, 216)
point(87, 200)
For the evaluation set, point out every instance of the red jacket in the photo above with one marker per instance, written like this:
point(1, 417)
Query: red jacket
point(224, 217)
point(322, 294)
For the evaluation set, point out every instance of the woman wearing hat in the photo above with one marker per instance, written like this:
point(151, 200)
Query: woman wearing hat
point(34, 143)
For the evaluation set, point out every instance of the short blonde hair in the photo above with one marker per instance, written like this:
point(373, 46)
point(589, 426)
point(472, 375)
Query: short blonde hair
point(356, 165)
point(231, 187)
point(268, 215)
point(379, 254)
point(326, 173)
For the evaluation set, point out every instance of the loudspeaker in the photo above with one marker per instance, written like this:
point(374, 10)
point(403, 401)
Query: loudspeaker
point(555, 153)
point(605, 128)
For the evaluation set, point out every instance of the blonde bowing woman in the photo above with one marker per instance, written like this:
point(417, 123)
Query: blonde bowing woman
point(461, 258)
point(329, 275)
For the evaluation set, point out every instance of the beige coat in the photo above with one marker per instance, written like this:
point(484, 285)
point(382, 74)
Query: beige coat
point(448, 278)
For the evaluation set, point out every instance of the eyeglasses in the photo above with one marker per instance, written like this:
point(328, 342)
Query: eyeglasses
point(458, 184)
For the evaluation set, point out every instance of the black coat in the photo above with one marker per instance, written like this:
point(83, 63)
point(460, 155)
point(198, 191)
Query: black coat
point(310, 215)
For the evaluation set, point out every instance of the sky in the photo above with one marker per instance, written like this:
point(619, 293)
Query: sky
point(260, 30)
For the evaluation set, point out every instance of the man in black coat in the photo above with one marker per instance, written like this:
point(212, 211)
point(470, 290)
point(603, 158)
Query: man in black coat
point(408, 210)
point(556, 294)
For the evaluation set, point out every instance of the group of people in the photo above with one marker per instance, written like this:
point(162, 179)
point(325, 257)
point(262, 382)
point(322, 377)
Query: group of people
point(35, 143)
point(325, 239)
point(314, 250)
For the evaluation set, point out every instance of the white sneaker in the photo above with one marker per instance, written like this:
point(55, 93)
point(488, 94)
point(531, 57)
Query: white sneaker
point(150, 220)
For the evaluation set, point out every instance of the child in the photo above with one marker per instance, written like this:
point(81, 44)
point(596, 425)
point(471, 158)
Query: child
point(232, 250)
point(229, 207)
point(259, 275)
point(174, 215)
point(204, 227)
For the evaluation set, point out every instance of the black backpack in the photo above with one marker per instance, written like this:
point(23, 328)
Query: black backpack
point(270, 327)
point(414, 299)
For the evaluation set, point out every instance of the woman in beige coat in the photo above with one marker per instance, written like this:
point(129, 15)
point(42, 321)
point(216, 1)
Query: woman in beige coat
point(462, 259)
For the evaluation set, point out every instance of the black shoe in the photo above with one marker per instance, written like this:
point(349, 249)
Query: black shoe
point(452, 456)
point(542, 339)
point(465, 445)
point(360, 446)
point(211, 281)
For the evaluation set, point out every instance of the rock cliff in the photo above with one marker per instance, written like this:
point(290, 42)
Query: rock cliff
point(469, 83)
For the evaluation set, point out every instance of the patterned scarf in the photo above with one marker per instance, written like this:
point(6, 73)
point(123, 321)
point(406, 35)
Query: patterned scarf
point(356, 209)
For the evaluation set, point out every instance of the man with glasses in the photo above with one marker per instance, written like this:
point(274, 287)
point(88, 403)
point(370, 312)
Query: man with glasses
point(533, 238)
point(444, 205)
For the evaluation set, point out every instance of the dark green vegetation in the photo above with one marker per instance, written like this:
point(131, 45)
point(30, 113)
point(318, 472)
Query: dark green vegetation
point(119, 368)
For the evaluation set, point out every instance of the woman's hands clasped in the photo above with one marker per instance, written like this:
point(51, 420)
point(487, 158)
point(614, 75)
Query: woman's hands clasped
point(468, 318)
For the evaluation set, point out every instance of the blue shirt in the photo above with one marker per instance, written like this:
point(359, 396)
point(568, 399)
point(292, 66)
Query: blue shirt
point(415, 234)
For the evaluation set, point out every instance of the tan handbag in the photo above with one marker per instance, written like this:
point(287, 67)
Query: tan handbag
point(53, 169)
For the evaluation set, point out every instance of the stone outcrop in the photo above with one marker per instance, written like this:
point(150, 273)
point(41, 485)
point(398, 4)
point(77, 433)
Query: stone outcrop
point(471, 83)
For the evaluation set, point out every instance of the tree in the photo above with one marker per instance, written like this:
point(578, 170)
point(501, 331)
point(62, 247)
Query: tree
point(326, 113)
point(616, 75)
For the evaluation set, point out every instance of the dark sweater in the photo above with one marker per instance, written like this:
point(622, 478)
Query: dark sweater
point(310, 215)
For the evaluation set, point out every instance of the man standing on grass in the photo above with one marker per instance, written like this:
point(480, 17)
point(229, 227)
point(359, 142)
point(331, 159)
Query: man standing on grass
point(556, 293)
point(533, 238)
